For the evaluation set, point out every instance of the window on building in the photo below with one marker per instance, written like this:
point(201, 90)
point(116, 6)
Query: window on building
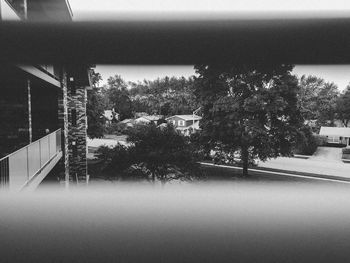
point(71, 85)
point(75, 151)
point(181, 123)
point(74, 117)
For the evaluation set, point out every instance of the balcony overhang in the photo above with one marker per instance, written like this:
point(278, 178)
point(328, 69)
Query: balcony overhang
point(40, 74)
point(296, 41)
point(49, 10)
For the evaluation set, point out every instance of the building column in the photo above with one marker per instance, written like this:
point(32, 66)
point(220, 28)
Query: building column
point(73, 122)
point(77, 99)
point(63, 124)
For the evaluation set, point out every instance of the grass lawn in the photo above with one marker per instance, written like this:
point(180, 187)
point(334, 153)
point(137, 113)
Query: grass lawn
point(214, 173)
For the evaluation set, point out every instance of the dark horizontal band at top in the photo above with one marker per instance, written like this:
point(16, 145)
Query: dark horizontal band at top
point(297, 41)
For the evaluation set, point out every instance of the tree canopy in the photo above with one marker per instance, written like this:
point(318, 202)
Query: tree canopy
point(252, 109)
point(165, 96)
point(116, 96)
point(95, 108)
point(317, 100)
point(343, 107)
point(154, 154)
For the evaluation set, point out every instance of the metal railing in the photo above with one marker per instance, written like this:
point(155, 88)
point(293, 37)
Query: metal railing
point(18, 168)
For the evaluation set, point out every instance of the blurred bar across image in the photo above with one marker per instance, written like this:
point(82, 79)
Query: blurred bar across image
point(236, 153)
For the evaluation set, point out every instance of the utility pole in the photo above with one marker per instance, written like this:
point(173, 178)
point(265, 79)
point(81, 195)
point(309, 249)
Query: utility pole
point(193, 113)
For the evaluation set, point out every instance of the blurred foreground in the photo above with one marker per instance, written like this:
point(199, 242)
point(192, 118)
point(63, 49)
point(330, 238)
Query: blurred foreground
point(205, 222)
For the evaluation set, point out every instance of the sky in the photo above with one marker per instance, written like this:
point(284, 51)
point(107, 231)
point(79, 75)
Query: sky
point(82, 7)
point(339, 74)
point(165, 9)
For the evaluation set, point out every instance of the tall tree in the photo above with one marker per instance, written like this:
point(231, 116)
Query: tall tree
point(117, 96)
point(327, 104)
point(154, 153)
point(252, 109)
point(317, 100)
point(309, 88)
point(343, 107)
point(166, 96)
point(96, 78)
point(95, 108)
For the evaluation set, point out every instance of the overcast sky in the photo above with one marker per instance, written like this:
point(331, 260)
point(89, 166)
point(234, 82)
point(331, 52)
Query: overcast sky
point(340, 75)
point(117, 9)
point(79, 7)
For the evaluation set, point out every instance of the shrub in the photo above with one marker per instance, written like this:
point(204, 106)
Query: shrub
point(116, 128)
point(308, 142)
point(154, 153)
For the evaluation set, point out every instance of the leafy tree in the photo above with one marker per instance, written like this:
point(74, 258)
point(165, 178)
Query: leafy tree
point(317, 100)
point(310, 87)
point(96, 78)
point(343, 107)
point(308, 141)
point(154, 153)
point(165, 96)
point(327, 103)
point(117, 97)
point(95, 108)
point(252, 109)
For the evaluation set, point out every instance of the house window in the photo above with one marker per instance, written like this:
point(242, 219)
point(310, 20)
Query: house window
point(75, 151)
point(71, 86)
point(74, 117)
point(181, 123)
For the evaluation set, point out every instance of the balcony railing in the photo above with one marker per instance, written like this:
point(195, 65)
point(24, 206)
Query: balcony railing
point(18, 168)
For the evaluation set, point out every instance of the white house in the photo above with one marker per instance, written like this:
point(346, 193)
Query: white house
point(186, 124)
point(109, 115)
point(336, 135)
point(128, 122)
point(148, 119)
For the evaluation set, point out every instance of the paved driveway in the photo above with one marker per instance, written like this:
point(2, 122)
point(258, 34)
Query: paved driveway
point(327, 154)
point(326, 161)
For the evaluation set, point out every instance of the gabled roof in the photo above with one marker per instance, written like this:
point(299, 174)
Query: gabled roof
point(188, 117)
point(335, 131)
point(150, 118)
point(128, 121)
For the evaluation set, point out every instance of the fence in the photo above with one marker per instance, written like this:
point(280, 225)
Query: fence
point(21, 166)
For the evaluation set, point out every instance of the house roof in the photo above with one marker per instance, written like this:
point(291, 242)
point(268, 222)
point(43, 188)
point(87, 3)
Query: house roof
point(149, 118)
point(128, 121)
point(188, 117)
point(152, 117)
point(335, 131)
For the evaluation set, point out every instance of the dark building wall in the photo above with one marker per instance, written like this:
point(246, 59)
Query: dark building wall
point(52, 108)
point(44, 108)
point(14, 122)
